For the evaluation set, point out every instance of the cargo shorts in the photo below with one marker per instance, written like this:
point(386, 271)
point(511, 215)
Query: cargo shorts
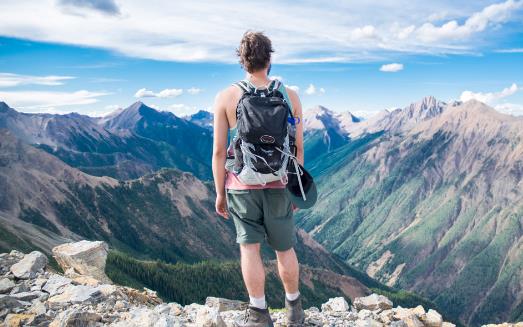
point(260, 214)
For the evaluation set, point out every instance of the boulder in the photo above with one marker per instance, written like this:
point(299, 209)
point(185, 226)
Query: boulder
point(74, 317)
point(398, 323)
point(432, 319)
point(18, 319)
point(222, 304)
point(337, 304)
point(6, 285)
point(55, 284)
point(368, 322)
point(9, 302)
point(86, 258)
point(76, 294)
point(145, 317)
point(30, 265)
point(372, 302)
point(413, 321)
point(209, 317)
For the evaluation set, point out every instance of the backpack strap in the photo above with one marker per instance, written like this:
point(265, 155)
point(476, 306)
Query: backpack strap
point(245, 86)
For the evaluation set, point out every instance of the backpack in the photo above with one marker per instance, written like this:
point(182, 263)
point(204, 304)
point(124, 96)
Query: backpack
point(265, 139)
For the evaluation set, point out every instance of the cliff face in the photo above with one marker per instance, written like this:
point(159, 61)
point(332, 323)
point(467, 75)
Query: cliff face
point(31, 294)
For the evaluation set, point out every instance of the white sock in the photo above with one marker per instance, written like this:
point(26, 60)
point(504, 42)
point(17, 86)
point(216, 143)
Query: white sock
point(292, 296)
point(258, 302)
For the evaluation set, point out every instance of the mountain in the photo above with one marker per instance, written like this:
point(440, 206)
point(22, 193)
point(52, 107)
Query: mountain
point(126, 144)
point(325, 130)
point(166, 215)
point(428, 198)
point(202, 118)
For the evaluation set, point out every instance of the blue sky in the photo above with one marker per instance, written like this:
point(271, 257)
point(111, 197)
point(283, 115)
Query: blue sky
point(93, 56)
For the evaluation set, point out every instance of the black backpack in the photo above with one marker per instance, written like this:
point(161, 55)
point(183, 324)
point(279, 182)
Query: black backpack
point(265, 139)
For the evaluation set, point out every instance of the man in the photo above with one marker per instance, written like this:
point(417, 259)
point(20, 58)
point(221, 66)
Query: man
point(261, 211)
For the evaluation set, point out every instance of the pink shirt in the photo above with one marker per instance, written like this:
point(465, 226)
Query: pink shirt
point(233, 183)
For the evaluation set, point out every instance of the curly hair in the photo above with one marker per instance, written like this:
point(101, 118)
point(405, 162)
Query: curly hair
point(254, 51)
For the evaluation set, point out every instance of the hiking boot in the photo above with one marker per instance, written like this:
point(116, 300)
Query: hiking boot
point(295, 313)
point(255, 317)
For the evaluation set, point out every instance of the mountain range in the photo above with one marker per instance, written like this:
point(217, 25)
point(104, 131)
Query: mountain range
point(429, 198)
point(426, 198)
point(126, 144)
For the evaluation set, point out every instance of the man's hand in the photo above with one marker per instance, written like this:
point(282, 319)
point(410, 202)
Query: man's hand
point(221, 206)
point(295, 208)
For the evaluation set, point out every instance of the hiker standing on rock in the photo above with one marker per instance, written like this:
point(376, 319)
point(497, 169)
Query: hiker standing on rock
point(255, 176)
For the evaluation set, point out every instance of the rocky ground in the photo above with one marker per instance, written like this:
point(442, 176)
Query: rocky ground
point(31, 294)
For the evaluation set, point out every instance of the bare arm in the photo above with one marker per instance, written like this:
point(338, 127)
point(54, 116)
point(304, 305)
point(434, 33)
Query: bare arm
point(296, 106)
point(221, 126)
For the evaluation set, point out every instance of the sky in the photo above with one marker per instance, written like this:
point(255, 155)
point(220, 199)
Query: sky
point(94, 56)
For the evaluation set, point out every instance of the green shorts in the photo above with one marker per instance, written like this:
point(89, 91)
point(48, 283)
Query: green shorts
point(262, 213)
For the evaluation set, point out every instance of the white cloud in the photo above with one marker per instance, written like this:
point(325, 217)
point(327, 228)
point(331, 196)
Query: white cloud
point(194, 91)
point(391, 68)
point(510, 108)
point(180, 109)
point(489, 97)
point(515, 50)
point(144, 93)
point(42, 99)
point(365, 32)
point(167, 93)
point(294, 87)
point(276, 77)
point(78, 6)
point(204, 31)
point(112, 107)
point(494, 14)
point(312, 90)
point(9, 80)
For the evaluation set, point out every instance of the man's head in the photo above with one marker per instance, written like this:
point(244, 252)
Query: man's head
point(254, 51)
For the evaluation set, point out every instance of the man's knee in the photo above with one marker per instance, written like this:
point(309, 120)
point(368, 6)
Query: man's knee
point(285, 253)
point(249, 248)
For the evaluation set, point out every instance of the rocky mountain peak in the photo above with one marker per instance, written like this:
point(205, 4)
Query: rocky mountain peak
point(427, 107)
point(202, 118)
point(33, 295)
point(129, 117)
point(4, 107)
point(322, 118)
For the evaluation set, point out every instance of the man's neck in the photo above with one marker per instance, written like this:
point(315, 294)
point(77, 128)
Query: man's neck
point(259, 79)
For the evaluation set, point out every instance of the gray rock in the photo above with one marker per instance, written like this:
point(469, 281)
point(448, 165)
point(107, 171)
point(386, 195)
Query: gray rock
point(85, 257)
point(76, 294)
point(6, 285)
point(209, 317)
point(27, 296)
point(398, 323)
point(337, 304)
point(9, 302)
point(55, 284)
point(138, 317)
point(38, 308)
point(30, 265)
point(20, 288)
point(75, 317)
point(432, 319)
point(222, 304)
point(372, 302)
